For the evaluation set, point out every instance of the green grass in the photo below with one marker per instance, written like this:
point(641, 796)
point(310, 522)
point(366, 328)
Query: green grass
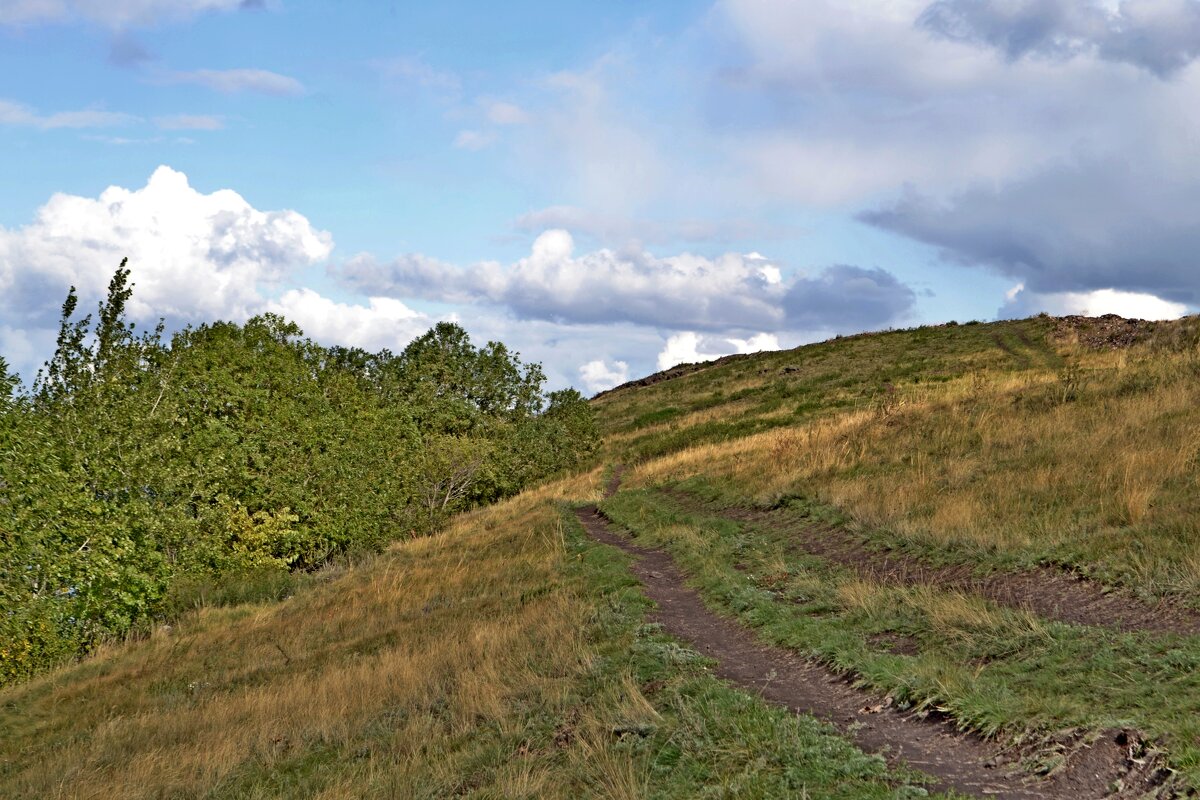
point(711, 740)
point(843, 373)
point(997, 671)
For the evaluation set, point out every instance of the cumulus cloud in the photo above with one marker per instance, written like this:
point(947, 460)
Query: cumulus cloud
point(194, 256)
point(690, 347)
point(599, 376)
point(1162, 36)
point(21, 115)
point(382, 323)
point(684, 292)
point(234, 81)
point(1133, 305)
point(112, 13)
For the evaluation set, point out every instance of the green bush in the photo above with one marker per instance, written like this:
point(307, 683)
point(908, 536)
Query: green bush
point(144, 474)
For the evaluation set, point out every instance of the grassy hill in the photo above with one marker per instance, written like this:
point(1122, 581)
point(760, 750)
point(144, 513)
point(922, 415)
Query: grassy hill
point(994, 522)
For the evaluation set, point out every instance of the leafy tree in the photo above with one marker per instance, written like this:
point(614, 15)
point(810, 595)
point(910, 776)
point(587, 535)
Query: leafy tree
point(139, 467)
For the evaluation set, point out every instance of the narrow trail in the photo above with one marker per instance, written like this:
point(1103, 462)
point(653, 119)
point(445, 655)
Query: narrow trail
point(961, 762)
point(1049, 593)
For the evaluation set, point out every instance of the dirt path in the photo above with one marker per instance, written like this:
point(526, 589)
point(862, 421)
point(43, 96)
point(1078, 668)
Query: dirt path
point(958, 761)
point(1049, 593)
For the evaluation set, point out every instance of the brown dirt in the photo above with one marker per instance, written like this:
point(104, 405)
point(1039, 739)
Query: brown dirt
point(1049, 593)
point(962, 762)
point(1108, 332)
point(614, 482)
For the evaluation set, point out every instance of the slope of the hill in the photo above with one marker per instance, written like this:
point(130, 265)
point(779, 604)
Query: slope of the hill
point(996, 521)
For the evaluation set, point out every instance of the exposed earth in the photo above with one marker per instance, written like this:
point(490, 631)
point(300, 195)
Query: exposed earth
point(1047, 592)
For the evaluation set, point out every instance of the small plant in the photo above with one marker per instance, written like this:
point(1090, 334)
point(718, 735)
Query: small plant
point(1070, 383)
point(889, 401)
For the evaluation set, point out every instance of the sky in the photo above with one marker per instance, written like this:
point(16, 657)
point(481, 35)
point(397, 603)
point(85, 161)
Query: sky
point(608, 188)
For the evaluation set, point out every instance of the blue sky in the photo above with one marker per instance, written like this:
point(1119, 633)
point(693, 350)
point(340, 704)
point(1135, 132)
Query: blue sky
point(608, 187)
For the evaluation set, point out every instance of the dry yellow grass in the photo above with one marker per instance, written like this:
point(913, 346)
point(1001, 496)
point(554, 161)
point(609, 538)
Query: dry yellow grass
point(1001, 461)
point(444, 634)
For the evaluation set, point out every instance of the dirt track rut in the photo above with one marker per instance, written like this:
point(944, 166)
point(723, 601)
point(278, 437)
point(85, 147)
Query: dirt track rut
point(961, 762)
point(1049, 593)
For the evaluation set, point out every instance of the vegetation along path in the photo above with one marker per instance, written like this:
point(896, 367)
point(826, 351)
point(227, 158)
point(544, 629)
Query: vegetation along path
point(960, 762)
point(1050, 593)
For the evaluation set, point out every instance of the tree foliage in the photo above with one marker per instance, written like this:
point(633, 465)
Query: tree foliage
point(139, 465)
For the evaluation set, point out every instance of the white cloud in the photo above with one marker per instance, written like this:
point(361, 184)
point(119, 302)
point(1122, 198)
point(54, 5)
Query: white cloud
point(690, 347)
point(552, 283)
point(189, 122)
point(194, 256)
point(756, 344)
point(730, 292)
point(20, 115)
point(233, 81)
point(684, 348)
point(382, 323)
point(1132, 305)
point(113, 13)
point(598, 376)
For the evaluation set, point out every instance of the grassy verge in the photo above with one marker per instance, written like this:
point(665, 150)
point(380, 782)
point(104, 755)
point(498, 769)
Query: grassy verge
point(508, 657)
point(996, 671)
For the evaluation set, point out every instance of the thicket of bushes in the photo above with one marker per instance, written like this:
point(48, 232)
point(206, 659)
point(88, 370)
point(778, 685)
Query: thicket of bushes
point(140, 466)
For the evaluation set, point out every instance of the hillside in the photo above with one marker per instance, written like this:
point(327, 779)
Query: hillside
point(972, 546)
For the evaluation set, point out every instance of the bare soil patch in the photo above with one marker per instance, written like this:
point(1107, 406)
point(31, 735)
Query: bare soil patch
point(1047, 592)
point(1107, 332)
point(1105, 767)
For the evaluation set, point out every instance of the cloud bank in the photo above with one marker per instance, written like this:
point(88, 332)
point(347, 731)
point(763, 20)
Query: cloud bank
point(682, 292)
